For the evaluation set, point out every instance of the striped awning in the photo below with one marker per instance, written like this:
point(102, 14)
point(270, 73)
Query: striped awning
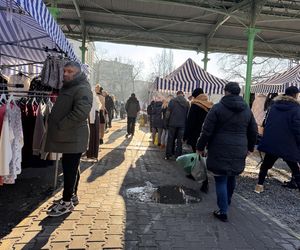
point(28, 34)
point(188, 77)
point(279, 82)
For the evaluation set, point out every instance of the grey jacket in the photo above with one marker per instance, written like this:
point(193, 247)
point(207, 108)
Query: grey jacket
point(132, 107)
point(67, 125)
point(178, 109)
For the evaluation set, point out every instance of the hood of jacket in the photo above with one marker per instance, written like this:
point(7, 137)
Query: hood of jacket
point(132, 100)
point(79, 79)
point(285, 103)
point(203, 102)
point(181, 100)
point(234, 102)
point(158, 104)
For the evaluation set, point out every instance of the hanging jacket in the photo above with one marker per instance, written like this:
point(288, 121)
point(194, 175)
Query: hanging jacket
point(229, 132)
point(282, 129)
point(68, 122)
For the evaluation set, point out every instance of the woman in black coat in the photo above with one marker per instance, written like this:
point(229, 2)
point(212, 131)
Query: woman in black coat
point(196, 116)
point(281, 137)
point(157, 121)
point(229, 132)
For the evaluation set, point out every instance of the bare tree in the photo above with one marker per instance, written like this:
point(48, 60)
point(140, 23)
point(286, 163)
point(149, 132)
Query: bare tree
point(234, 67)
point(163, 63)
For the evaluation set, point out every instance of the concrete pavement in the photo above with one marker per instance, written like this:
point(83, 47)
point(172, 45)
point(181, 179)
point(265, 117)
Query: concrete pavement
point(107, 219)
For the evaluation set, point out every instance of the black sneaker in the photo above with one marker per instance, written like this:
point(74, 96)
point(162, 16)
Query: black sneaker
point(221, 217)
point(74, 200)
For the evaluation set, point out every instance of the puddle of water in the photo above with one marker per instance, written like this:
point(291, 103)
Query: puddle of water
point(164, 194)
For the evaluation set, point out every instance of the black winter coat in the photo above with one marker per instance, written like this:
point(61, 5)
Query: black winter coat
point(229, 131)
point(196, 117)
point(282, 129)
point(157, 121)
point(178, 109)
point(109, 103)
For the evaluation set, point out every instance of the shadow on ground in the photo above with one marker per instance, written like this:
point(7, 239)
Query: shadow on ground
point(110, 161)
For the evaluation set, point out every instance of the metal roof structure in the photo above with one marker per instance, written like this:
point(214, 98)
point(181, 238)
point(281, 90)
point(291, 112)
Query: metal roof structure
point(221, 25)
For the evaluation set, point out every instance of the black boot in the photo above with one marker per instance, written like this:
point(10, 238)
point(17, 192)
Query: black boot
point(290, 184)
point(204, 187)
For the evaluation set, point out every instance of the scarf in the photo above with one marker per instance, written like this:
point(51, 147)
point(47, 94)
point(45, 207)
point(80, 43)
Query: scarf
point(203, 102)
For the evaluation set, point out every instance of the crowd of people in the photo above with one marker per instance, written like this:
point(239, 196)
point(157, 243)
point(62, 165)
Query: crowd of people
point(225, 133)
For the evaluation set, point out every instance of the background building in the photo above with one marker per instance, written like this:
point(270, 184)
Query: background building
point(115, 77)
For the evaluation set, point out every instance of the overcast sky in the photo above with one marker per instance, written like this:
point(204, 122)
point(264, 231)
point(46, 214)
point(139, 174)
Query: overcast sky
point(144, 54)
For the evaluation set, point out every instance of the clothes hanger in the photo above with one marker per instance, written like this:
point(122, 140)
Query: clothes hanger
point(3, 98)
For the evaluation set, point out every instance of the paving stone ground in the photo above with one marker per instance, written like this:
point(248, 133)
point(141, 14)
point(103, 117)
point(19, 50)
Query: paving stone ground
point(107, 219)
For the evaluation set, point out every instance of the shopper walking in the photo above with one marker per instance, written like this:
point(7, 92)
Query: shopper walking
point(177, 112)
point(68, 131)
point(110, 107)
point(99, 91)
point(132, 108)
point(200, 105)
point(157, 121)
point(281, 138)
point(229, 132)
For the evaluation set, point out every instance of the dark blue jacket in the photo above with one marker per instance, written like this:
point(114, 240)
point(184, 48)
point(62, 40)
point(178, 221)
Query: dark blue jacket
point(282, 130)
point(229, 132)
point(157, 119)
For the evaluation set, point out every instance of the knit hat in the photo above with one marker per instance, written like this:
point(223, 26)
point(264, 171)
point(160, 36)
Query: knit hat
point(197, 92)
point(292, 90)
point(233, 88)
point(73, 64)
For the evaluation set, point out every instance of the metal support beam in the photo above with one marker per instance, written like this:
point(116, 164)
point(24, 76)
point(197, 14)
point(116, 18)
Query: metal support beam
point(83, 48)
point(252, 31)
point(83, 31)
point(251, 36)
point(223, 19)
point(205, 59)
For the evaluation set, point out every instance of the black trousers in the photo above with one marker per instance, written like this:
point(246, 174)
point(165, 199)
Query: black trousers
point(131, 125)
point(268, 163)
point(71, 171)
point(174, 135)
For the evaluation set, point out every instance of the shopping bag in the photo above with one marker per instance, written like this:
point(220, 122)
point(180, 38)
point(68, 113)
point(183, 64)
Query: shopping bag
point(156, 139)
point(187, 161)
point(199, 171)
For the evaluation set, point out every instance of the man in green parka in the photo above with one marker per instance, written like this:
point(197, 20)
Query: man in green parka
point(68, 132)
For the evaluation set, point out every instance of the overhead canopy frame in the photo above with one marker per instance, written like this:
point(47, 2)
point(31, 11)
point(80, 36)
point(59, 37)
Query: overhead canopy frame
point(187, 24)
point(28, 34)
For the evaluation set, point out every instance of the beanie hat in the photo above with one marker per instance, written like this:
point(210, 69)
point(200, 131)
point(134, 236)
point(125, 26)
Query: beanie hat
point(292, 90)
point(233, 88)
point(197, 92)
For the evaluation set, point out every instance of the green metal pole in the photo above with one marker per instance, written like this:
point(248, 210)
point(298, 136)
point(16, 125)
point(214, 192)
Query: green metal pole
point(205, 59)
point(251, 36)
point(83, 48)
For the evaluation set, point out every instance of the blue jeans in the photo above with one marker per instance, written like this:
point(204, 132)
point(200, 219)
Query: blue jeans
point(224, 188)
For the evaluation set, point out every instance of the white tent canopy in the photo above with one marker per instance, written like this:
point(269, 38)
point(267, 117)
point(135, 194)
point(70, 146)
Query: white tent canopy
point(279, 82)
point(188, 77)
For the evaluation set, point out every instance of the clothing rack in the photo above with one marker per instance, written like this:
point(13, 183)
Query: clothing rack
point(33, 94)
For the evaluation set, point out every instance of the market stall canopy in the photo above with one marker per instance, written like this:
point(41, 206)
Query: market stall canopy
point(279, 82)
point(187, 24)
point(188, 77)
point(28, 34)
